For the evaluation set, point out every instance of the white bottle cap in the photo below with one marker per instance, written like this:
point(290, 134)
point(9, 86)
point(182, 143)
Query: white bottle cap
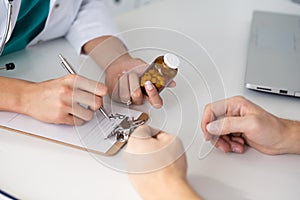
point(171, 60)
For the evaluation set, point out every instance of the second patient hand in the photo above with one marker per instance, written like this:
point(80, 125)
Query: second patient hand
point(70, 69)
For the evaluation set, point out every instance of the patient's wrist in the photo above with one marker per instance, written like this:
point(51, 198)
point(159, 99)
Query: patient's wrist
point(175, 188)
point(179, 189)
point(294, 137)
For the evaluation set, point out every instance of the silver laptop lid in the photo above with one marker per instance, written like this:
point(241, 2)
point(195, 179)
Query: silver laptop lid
point(273, 63)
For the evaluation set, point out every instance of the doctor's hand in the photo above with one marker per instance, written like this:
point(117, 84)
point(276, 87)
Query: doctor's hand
point(231, 124)
point(157, 165)
point(122, 79)
point(58, 101)
point(122, 71)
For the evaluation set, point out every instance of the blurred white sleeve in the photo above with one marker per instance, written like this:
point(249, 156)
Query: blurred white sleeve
point(93, 20)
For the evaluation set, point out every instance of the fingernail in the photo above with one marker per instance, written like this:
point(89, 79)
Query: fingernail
point(236, 148)
point(212, 127)
point(207, 137)
point(222, 149)
point(148, 85)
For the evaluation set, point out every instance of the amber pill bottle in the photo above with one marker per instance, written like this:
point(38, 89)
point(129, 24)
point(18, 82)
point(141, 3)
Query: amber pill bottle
point(160, 72)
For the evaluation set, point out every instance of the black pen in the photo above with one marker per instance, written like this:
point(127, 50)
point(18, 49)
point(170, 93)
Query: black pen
point(4, 195)
point(70, 69)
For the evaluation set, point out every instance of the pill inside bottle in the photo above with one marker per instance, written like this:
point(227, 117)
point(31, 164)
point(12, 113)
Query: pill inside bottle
point(160, 72)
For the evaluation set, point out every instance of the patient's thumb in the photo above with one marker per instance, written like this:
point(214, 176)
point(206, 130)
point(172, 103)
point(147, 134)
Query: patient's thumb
point(144, 132)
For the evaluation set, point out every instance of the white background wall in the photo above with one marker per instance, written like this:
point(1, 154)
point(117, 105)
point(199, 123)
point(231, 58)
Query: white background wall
point(120, 6)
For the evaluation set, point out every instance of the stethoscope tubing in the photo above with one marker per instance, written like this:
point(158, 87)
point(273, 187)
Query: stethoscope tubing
point(7, 26)
point(8, 66)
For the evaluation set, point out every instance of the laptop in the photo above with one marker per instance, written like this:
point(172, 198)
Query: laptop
point(273, 60)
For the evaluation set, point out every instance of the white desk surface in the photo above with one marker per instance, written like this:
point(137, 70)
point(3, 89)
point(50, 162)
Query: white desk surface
point(35, 169)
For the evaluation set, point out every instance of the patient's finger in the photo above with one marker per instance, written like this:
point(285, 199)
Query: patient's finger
point(144, 132)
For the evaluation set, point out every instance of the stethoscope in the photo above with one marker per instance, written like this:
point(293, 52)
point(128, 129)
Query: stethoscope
point(8, 66)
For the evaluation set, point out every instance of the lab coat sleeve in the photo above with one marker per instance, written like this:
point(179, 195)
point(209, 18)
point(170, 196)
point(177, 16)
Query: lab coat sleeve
point(93, 20)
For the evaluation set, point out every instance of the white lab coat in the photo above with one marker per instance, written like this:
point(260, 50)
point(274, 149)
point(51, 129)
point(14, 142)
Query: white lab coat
point(78, 20)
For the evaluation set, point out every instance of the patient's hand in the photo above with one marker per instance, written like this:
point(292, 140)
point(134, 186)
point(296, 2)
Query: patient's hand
point(157, 165)
point(232, 123)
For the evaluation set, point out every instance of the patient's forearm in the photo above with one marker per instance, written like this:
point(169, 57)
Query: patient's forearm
point(180, 190)
point(293, 136)
point(165, 187)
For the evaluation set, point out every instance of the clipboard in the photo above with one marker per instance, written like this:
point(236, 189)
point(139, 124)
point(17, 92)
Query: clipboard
point(119, 144)
point(68, 135)
point(31, 127)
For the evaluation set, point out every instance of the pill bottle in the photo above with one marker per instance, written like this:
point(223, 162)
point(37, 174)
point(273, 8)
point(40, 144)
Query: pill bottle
point(160, 72)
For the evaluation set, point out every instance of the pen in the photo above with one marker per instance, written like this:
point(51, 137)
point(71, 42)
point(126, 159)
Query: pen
point(70, 69)
point(5, 196)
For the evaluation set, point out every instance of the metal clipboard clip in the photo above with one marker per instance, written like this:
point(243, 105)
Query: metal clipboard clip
point(125, 128)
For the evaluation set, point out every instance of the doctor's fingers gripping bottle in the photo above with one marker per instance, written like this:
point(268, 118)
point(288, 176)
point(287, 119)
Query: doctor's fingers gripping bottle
point(160, 72)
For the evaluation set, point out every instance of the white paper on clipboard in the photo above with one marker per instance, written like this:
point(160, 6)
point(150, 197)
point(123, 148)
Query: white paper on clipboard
point(91, 136)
